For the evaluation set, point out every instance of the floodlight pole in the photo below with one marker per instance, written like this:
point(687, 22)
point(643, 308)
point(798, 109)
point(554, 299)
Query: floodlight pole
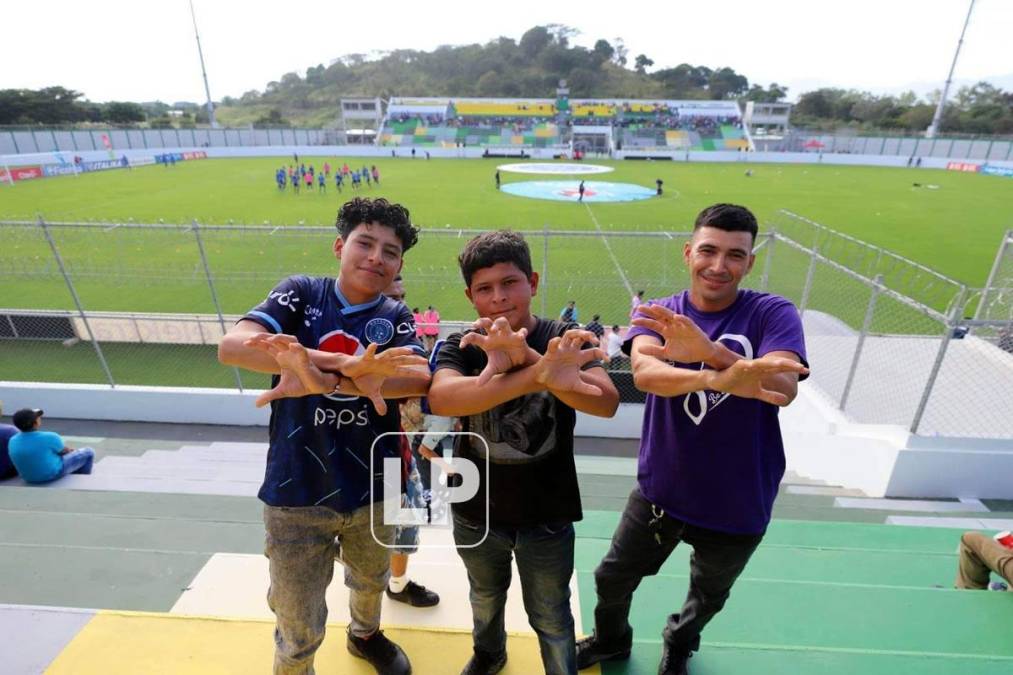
point(937, 119)
point(203, 70)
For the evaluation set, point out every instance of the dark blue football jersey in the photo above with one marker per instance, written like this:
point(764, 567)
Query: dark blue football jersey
point(320, 445)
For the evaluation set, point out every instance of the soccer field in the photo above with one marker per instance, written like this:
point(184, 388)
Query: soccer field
point(953, 227)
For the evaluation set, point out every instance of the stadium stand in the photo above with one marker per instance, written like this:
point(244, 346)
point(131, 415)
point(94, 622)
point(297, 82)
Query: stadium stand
point(538, 123)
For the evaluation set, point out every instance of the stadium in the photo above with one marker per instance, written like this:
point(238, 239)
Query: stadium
point(128, 254)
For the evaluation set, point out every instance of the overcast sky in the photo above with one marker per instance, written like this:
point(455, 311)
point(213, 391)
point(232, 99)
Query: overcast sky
point(143, 50)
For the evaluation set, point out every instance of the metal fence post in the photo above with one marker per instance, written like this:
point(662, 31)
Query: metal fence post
point(544, 280)
point(765, 279)
point(870, 311)
point(808, 280)
point(1007, 239)
point(214, 294)
point(77, 301)
point(955, 314)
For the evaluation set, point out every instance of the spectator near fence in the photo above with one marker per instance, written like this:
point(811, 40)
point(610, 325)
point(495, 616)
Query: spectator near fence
point(42, 456)
point(595, 326)
point(430, 327)
point(980, 556)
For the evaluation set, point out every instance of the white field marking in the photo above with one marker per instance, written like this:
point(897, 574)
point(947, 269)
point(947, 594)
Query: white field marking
point(608, 247)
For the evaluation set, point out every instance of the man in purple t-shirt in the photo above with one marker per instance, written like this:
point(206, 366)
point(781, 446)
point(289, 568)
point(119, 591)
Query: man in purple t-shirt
point(716, 362)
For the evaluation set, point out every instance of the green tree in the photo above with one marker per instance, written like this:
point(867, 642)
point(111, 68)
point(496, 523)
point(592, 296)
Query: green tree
point(120, 112)
point(642, 63)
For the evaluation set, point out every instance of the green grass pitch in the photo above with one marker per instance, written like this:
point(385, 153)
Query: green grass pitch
point(954, 229)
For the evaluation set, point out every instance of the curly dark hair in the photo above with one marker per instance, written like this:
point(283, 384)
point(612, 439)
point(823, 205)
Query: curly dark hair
point(365, 210)
point(727, 217)
point(490, 248)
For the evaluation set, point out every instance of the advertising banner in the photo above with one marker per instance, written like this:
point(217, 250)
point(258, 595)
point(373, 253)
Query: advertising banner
point(26, 172)
point(970, 167)
point(990, 170)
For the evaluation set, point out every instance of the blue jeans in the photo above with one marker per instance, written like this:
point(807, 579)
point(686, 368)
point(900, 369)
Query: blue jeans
point(544, 556)
point(77, 461)
point(300, 547)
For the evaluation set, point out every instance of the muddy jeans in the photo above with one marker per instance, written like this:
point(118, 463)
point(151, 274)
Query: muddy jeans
point(980, 555)
point(300, 546)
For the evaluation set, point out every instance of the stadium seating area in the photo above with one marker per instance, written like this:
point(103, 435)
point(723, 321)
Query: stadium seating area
point(472, 122)
point(536, 123)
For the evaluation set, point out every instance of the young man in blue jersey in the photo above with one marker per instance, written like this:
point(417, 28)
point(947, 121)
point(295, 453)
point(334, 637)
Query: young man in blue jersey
point(516, 381)
point(716, 362)
point(337, 348)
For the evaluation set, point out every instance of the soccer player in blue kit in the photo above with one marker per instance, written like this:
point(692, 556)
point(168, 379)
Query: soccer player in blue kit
point(336, 348)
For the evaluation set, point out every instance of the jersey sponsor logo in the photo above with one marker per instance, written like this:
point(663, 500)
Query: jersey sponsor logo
point(286, 299)
point(311, 314)
point(340, 342)
point(340, 418)
point(406, 328)
point(379, 331)
point(707, 401)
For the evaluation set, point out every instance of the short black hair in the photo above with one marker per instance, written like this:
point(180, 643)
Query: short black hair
point(365, 210)
point(491, 248)
point(727, 217)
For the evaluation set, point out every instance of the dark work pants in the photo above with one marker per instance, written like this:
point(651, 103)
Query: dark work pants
point(717, 560)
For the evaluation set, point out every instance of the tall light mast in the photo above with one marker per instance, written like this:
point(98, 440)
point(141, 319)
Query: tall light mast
point(203, 70)
point(937, 119)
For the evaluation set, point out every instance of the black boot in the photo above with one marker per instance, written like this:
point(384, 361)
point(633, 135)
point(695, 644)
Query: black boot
point(675, 659)
point(590, 650)
point(385, 656)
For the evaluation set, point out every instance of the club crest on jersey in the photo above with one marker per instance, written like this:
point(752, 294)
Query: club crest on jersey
point(379, 331)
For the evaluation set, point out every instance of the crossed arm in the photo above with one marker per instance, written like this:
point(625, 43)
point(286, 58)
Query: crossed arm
point(394, 373)
point(772, 378)
point(516, 370)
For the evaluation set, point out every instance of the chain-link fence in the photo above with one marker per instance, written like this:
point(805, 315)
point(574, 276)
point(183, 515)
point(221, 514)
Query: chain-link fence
point(128, 303)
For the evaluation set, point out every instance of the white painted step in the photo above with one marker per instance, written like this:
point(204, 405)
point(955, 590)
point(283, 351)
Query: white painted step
point(235, 586)
point(918, 505)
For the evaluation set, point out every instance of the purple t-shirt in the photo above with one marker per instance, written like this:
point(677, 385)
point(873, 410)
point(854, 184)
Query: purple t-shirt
point(709, 458)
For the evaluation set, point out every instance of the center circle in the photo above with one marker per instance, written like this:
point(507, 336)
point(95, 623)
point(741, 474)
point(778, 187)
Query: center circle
point(556, 168)
point(569, 191)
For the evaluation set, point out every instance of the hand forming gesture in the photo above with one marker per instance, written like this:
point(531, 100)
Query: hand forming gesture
point(744, 378)
point(369, 370)
point(559, 368)
point(299, 376)
point(504, 347)
point(683, 340)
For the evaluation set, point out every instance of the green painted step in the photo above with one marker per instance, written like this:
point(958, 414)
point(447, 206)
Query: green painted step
point(810, 534)
point(131, 504)
point(95, 578)
point(715, 659)
point(811, 566)
point(780, 614)
point(96, 531)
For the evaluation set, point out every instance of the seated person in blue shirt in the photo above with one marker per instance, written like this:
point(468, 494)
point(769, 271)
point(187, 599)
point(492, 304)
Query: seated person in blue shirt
point(41, 456)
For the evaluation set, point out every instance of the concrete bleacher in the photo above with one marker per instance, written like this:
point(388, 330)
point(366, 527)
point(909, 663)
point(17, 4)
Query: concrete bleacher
point(102, 575)
point(537, 123)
